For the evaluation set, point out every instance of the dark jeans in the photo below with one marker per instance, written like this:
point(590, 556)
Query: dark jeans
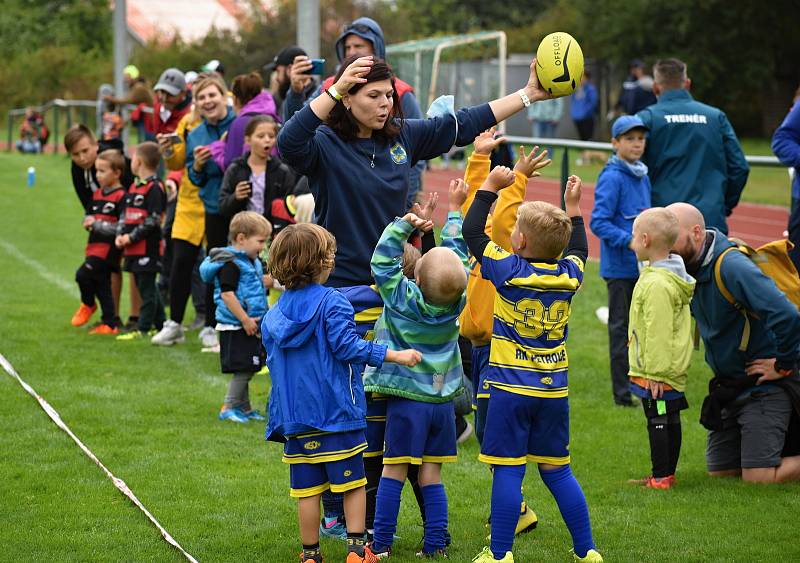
point(151, 313)
point(585, 128)
point(620, 293)
point(794, 232)
point(216, 237)
point(185, 280)
point(94, 280)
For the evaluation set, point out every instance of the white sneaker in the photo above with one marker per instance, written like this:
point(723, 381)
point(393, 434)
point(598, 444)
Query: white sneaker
point(171, 333)
point(208, 337)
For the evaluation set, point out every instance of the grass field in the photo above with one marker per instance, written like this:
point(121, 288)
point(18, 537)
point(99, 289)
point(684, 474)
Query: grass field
point(150, 415)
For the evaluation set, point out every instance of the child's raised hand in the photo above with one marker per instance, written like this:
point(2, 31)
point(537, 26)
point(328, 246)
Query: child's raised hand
point(572, 195)
point(530, 164)
point(88, 221)
point(457, 193)
point(485, 143)
point(408, 358)
point(250, 326)
point(500, 177)
point(423, 225)
point(425, 211)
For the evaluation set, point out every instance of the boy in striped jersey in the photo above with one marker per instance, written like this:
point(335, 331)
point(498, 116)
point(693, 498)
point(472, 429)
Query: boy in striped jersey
point(528, 414)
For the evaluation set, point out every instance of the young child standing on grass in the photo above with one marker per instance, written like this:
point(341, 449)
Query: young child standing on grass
point(528, 415)
point(140, 237)
point(237, 274)
point(660, 340)
point(621, 193)
point(102, 256)
point(420, 418)
point(317, 405)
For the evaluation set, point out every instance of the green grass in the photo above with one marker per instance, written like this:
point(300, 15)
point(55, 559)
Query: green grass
point(150, 415)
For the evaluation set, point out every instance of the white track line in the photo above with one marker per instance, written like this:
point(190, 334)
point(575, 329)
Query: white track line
point(118, 483)
point(39, 268)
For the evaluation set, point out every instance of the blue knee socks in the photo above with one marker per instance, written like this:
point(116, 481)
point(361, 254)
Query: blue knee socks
point(435, 517)
point(506, 500)
point(572, 504)
point(387, 507)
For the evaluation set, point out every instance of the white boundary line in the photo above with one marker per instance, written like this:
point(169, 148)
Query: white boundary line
point(118, 483)
point(39, 268)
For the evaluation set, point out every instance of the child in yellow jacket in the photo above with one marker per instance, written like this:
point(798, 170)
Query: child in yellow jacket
point(476, 318)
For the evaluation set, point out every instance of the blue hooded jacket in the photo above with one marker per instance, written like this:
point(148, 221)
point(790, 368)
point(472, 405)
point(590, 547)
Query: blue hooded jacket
point(775, 333)
point(619, 197)
point(209, 179)
point(250, 293)
point(311, 341)
point(786, 145)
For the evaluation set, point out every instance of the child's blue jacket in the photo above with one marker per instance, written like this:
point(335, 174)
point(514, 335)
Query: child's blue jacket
point(311, 341)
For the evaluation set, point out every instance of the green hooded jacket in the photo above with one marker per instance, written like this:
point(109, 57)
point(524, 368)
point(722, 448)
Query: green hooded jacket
point(660, 329)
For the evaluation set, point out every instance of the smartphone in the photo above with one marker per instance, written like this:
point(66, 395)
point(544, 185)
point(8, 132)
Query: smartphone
point(174, 139)
point(249, 187)
point(317, 67)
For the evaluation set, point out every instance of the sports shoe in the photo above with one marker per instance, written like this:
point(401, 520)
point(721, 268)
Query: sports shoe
point(131, 325)
point(385, 554)
point(208, 337)
point(334, 529)
point(465, 432)
point(255, 415)
point(171, 333)
point(317, 559)
point(486, 556)
point(132, 335)
point(104, 329)
point(198, 323)
point(368, 557)
point(592, 556)
point(651, 482)
point(83, 314)
point(527, 520)
point(234, 415)
point(438, 554)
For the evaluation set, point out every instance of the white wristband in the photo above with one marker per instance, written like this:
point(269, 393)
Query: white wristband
point(526, 101)
point(334, 93)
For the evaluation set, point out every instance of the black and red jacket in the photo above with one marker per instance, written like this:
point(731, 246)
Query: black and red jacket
point(144, 210)
point(106, 208)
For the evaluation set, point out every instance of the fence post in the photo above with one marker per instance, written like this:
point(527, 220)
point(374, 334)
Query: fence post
point(55, 135)
point(564, 176)
point(10, 131)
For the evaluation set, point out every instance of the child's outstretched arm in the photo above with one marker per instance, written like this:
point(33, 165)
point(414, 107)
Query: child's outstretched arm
point(475, 222)
point(386, 263)
point(479, 164)
point(578, 246)
point(451, 232)
point(425, 212)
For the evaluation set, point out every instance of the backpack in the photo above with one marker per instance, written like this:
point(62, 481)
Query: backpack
point(774, 262)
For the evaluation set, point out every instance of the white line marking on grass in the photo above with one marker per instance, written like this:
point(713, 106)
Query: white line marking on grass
point(39, 268)
point(118, 483)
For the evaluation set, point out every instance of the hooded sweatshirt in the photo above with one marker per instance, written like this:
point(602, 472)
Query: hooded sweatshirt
point(660, 327)
point(311, 341)
point(262, 104)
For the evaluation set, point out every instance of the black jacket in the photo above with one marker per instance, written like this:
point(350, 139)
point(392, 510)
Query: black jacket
point(281, 181)
point(85, 181)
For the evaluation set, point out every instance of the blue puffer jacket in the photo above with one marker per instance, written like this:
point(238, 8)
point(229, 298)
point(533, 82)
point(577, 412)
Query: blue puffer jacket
point(693, 156)
point(774, 334)
point(250, 293)
point(209, 179)
point(619, 196)
point(311, 341)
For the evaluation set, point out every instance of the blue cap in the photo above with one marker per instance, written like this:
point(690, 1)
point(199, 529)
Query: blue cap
point(625, 123)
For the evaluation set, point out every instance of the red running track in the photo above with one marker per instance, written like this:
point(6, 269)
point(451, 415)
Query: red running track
point(755, 224)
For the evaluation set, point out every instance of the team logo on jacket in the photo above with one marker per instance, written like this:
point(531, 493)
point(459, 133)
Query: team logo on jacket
point(312, 445)
point(138, 200)
point(546, 380)
point(108, 208)
point(398, 153)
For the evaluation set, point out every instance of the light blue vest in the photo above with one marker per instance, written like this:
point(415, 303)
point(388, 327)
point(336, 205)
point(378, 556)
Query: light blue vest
point(250, 292)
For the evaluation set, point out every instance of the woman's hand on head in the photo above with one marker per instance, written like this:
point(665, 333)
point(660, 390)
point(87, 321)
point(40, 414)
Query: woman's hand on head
point(354, 74)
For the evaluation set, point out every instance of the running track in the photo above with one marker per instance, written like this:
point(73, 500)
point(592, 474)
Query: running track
point(755, 224)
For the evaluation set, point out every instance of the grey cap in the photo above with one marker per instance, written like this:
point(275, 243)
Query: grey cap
point(172, 81)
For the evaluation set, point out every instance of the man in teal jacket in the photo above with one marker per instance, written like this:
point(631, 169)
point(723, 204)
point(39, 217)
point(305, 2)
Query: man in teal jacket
point(692, 151)
point(751, 371)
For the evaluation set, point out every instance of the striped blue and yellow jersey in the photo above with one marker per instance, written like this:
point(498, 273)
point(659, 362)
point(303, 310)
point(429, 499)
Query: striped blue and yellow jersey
point(531, 309)
point(367, 305)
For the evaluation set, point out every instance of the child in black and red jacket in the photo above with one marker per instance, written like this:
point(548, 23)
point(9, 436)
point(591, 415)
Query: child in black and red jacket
point(102, 256)
point(139, 234)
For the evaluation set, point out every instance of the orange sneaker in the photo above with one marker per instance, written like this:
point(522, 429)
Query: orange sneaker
point(104, 329)
point(83, 314)
point(660, 483)
point(368, 557)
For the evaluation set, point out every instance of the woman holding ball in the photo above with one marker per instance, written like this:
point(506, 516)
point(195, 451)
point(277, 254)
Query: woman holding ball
point(357, 149)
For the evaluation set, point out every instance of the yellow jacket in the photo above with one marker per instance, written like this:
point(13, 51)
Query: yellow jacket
point(190, 218)
point(477, 317)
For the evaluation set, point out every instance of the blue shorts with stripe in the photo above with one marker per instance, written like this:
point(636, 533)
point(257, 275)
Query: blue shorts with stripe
point(376, 424)
point(522, 428)
point(321, 461)
point(418, 432)
point(480, 363)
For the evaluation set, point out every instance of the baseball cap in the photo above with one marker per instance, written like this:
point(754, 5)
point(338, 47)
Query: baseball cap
point(213, 66)
point(625, 123)
point(172, 81)
point(285, 57)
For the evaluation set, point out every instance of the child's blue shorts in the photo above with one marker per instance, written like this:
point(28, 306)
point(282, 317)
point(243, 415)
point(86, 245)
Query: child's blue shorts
point(480, 363)
point(376, 424)
point(419, 432)
point(521, 428)
point(321, 460)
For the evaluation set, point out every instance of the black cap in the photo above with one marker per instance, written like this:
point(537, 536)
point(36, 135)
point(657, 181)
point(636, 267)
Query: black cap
point(285, 57)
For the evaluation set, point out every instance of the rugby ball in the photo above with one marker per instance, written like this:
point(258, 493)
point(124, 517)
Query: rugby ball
point(559, 64)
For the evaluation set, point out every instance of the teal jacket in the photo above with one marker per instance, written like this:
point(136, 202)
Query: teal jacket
point(250, 293)
point(693, 155)
point(408, 321)
point(209, 179)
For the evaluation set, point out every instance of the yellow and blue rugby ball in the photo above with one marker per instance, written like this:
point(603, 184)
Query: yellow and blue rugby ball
point(559, 64)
